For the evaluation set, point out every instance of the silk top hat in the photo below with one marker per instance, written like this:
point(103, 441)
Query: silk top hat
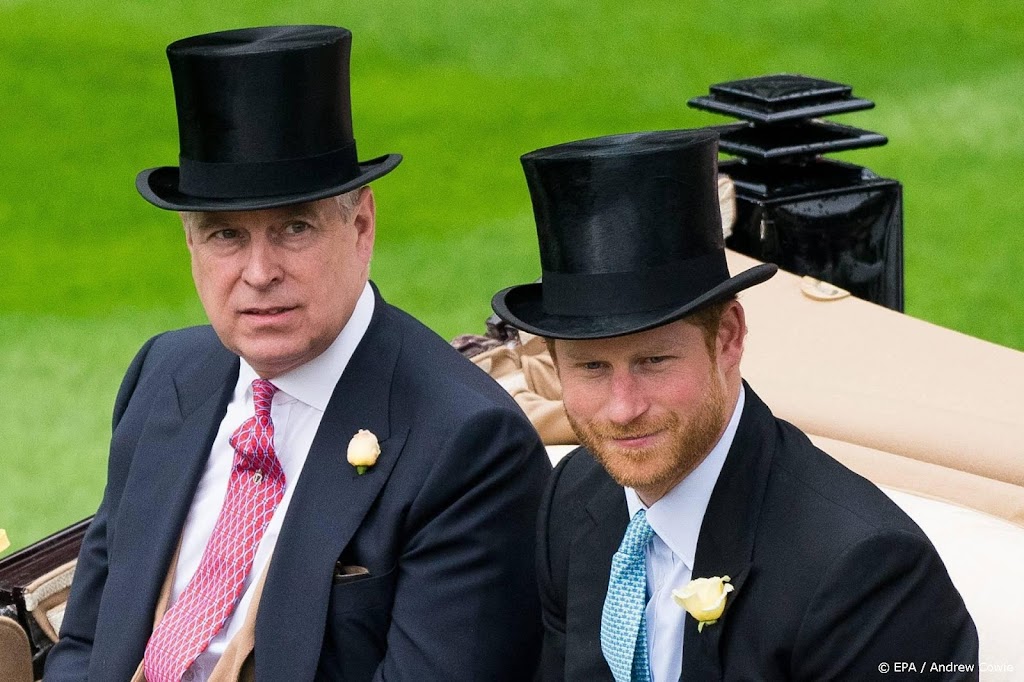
point(264, 120)
point(630, 235)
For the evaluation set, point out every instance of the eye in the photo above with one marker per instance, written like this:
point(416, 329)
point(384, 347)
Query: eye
point(591, 366)
point(297, 227)
point(225, 234)
point(657, 359)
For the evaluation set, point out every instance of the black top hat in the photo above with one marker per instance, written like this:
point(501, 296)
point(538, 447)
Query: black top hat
point(630, 235)
point(264, 119)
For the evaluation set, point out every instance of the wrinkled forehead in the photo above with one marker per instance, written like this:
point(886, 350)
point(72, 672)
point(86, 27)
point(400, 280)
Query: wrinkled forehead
point(310, 210)
point(673, 337)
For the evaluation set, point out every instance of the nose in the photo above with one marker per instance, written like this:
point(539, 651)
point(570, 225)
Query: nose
point(262, 265)
point(627, 401)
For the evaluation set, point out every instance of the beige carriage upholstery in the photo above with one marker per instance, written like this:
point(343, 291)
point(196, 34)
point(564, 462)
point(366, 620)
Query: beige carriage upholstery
point(15, 655)
point(933, 417)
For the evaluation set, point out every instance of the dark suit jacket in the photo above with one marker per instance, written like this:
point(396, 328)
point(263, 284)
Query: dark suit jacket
point(831, 578)
point(444, 521)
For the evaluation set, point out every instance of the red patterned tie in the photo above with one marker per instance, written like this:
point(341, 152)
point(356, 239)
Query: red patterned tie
point(255, 488)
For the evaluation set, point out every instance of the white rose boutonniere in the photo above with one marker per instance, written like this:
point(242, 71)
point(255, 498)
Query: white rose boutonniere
point(704, 599)
point(4, 542)
point(363, 451)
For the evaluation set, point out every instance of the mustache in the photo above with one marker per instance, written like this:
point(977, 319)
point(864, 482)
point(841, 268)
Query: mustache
point(634, 429)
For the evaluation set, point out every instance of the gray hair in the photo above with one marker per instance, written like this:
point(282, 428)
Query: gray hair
point(348, 201)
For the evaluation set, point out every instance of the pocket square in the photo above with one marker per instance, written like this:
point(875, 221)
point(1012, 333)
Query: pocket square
point(349, 574)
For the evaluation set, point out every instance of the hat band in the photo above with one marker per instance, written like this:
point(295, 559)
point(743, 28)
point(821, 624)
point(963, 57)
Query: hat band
point(247, 180)
point(636, 291)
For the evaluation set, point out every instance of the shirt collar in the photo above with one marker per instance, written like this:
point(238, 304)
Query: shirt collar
point(676, 518)
point(313, 382)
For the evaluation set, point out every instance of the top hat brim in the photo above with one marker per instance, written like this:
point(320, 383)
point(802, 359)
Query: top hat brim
point(160, 187)
point(522, 307)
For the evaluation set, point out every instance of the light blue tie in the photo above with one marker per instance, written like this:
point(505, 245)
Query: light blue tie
point(623, 626)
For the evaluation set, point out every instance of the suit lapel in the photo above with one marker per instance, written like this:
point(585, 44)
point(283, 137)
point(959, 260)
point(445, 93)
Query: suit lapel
point(172, 450)
point(329, 504)
point(596, 540)
point(726, 541)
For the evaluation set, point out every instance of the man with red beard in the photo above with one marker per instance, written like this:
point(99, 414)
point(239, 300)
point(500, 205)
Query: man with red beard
point(695, 536)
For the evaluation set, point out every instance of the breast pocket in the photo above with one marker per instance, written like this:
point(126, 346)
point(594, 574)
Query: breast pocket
point(374, 592)
point(357, 631)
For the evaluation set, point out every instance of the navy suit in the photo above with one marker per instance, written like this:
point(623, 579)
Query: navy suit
point(444, 521)
point(831, 578)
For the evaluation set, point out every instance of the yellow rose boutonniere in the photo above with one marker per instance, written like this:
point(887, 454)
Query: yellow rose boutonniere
point(704, 599)
point(4, 542)
point(363, 451)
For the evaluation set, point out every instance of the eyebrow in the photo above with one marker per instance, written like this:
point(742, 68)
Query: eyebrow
point(306, 211)
point(208, 220)
point(646, 351)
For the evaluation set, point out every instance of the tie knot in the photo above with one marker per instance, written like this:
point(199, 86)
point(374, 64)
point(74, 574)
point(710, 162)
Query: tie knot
point(262, 396)
point(638, 534)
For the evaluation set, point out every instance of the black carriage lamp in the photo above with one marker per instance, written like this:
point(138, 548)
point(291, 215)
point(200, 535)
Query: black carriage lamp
point(813, 216)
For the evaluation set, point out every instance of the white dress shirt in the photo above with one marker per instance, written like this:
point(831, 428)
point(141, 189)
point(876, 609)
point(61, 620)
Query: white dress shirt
point(297, 408)
point(676, 519)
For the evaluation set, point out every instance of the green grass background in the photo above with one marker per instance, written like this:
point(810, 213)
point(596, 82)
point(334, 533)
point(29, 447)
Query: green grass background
point(461, 89)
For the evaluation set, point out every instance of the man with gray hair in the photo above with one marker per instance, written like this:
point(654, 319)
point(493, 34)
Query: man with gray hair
point(316, 485)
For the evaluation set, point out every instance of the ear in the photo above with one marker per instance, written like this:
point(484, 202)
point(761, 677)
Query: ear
point(732, 330)
point(364, 218)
